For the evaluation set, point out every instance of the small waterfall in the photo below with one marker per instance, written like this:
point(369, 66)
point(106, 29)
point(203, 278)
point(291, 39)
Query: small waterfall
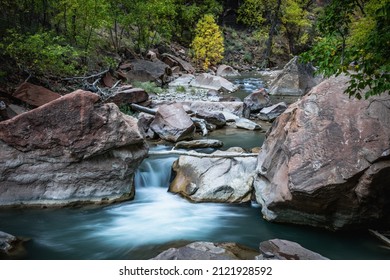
point(154, 172)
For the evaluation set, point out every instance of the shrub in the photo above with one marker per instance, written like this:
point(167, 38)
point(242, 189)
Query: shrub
point(41, 53)
point(208, 42)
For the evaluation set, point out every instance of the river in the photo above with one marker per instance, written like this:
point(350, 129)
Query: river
point(157, 219)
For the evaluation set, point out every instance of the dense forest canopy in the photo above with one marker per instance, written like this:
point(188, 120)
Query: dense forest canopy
point(66, 37)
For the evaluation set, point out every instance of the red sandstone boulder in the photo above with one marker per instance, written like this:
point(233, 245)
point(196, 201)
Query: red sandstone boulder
point(326, 161)
point(128, 96)
point(73, 149)
point(35, 95)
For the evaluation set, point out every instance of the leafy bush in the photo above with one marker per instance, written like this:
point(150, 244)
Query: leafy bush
point(41, 53)
point(149, 87)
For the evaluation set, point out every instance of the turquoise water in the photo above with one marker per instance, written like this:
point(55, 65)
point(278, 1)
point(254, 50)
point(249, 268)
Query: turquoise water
point(155, 219)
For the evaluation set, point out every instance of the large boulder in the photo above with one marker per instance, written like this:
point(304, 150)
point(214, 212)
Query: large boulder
point(172, 123)
point(219, 179)
point(213, 117)
point(235, 108)
point(326, 161)
point(295, 79)
point(174, 61)
point(145, 71)
point(74, 149)
point(278, 249)
point(34, 95)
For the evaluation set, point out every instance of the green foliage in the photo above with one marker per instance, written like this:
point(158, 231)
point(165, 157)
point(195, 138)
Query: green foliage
point(292, 20)
point(248, 57)
point(149, 21)
point(41, 53)
point(188, 14)
point(149, 87)
point(356, 42)
point(208, 44)
point(126, 109)
point(181, 89)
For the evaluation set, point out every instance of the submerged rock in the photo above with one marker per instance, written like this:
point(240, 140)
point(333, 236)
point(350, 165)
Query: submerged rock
point(326, 161)
point(74, 149)
point(219, 179)
point(277, 249)
point(11, 247)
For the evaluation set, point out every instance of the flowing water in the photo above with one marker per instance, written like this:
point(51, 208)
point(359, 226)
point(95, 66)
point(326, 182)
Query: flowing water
point(157, 219)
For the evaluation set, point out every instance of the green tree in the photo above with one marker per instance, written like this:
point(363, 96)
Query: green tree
point(188, 14)
point(355, 40)
point(148, 22)
point(208, 44)
point(289, 18)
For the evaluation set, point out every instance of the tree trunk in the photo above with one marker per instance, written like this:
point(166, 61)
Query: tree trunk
point(274, 23)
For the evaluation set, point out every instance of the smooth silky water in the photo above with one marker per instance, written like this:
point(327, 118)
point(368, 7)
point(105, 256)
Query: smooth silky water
point(156, 220)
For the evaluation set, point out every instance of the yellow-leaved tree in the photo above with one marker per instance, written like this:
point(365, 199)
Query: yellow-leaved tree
point(208, 42)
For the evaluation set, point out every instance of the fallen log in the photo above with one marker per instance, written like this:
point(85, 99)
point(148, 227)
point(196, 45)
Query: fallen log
point(202, 155)
point(143, 109)
point(198, 144)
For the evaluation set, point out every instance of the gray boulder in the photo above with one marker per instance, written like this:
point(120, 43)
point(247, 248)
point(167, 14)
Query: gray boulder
point(172, 123)
point(295, 79)
point(219, 179)
point(326, 162)
point(74, 149)
point(272, 112)
point(208, 251)
point(226, 71)
point(235, 108)
point(209, 81)
point(215, 118)
point(174, 61)
point(247, 124)
point(148, 71)
point(34, 95)
point(256, 101)
point(278, 249)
